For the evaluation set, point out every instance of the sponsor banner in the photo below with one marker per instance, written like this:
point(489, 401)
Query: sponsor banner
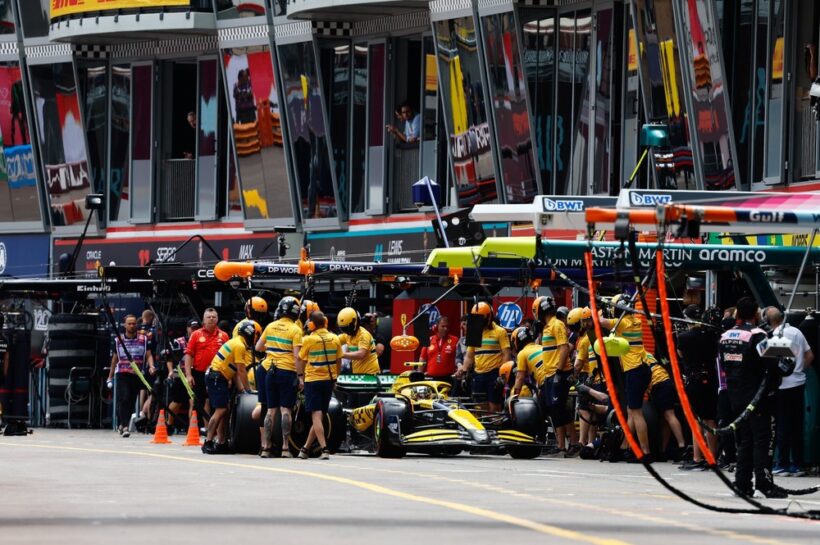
point(563, 254)
point(141, 252)
point(67, 177)
point(410, 245)
point(560, 212)
point(509, 315)
point(61, 8)
point(24, 256)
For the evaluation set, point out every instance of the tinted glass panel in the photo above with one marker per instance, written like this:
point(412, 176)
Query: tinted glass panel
point(120, 134)
point(375, 130)
point(62, 141)
point(335, 63)
point(708, 91)
point(465, 110)
point(7, 25)
point(358, 150)
point(776, 84)
point(141, 143)
point(662, 85)
point(232, 9)
point(509, 101)
point(94, 82)
point(278, 7)
point(207, 123)
point(257, 131)
point(306, 124)
point(539, 62)
point(604, 91)
point(34, 17)
point(18, 179)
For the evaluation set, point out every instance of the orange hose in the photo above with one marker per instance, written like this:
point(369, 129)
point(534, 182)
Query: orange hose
point(610, 385)
point(225, 270)
point(673, 358)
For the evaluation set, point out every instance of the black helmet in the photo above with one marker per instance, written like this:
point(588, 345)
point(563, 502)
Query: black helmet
point(712, 316)
point(250, 331)
point(288, 307)
point(521, 337)
point(692, 312)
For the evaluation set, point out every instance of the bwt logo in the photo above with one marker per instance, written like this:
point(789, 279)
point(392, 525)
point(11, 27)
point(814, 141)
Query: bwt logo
point(636, 199)
point(563, 206)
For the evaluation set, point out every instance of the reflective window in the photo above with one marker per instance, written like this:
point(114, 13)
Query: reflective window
point(774, 96)
point(306, 130)
point(335, 63)
point(605, 90)
point(376, 128)
point(358, 146)
point(34, 15)
point(465, 110)
point(18, 180)
point(662, 87)
point(407, 123)
point(539, 42)
point(509, 101)
point(94, 84)
point(232, 9)
point(708, 93)
point(62, 141)
point(141, 171)
point(257, 132)
point(278, 8)
point(7, 25)
point(120, 138)
point(207, 128)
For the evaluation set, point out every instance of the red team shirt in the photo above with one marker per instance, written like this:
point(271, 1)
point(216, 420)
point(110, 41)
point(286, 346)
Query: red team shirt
point(440, 356)
point(203, 346)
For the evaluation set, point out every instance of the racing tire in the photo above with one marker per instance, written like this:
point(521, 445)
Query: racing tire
point(526, 417)
point(384, 440)
point(243, 436)
point(335, 429)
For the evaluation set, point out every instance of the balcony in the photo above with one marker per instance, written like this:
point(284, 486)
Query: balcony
point(351, 10)
point(111, 26)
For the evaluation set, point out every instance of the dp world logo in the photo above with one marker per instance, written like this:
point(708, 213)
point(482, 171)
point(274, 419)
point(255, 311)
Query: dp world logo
point(3, 258)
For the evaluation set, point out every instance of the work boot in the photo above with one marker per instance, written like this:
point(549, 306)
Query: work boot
point(744, 490)
point(222, 448)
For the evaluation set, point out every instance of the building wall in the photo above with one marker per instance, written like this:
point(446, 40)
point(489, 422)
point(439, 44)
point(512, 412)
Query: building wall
point(290, 110)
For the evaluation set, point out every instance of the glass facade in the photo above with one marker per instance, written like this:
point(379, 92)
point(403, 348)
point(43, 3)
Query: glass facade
point(257, 131)
point(307, 131)
point(465, 110)
point(62, 141)
point(18, 180)
point(501, 102)
point(508, 98)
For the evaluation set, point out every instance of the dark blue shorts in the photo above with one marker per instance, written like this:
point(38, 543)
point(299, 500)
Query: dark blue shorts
point(486, 384)
point(663, 396)
point(260, 375)
point(317, 395)
point(636, 382)
point(281, 388)
point(218, 391)
point(553, 399)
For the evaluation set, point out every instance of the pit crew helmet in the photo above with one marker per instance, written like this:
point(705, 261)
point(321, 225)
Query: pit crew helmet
point(483, 309)
point(578, 314)
point(250, 332)
point(348, 320)
point(288, 307)
point(521, 337)
point(542, 306)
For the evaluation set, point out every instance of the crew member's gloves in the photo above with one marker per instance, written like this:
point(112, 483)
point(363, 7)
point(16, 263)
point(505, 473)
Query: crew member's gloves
point(109, 384)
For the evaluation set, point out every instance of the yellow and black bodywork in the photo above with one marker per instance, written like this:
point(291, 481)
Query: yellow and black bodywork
point(419, 415)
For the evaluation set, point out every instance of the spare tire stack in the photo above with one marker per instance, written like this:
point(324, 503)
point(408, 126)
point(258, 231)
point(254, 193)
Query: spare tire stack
point(73, 341)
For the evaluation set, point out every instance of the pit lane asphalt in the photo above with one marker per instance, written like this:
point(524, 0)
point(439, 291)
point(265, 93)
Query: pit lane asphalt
point(89, 487)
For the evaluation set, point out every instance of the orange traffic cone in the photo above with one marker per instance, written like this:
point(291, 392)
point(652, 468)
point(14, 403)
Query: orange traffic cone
point(161, 433)
point(193, 439)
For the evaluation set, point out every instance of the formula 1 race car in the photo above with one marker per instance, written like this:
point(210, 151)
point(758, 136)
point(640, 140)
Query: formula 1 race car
point(418, 415)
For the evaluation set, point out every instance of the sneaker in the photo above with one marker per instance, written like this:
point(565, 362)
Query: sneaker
point(795, 471)
point(265, 453)
point(773, 492)
point(208, 447)
point(744, 490)
point(286, 453)
point(126, 433)
point(325, 455)
point(693, 466)
point(573, 451)
point(120, 429)
point(222, 448)
point(779, 470)
point(303, 454)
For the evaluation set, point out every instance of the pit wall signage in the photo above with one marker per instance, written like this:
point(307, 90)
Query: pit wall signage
point(61, 8)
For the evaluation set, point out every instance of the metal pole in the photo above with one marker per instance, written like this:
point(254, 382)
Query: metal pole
point(800, 273)
point(435, 208)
